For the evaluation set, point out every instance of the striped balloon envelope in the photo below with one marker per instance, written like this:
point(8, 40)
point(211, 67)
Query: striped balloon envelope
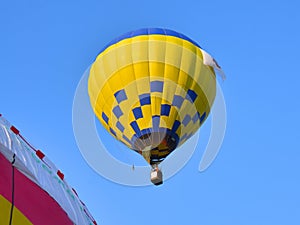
point(152, 89)
point(32, 189)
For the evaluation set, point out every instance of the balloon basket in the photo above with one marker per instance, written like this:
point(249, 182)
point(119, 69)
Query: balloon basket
point(156, 176)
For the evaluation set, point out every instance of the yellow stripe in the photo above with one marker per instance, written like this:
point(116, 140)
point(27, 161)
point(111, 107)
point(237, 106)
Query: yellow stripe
point(18, 217)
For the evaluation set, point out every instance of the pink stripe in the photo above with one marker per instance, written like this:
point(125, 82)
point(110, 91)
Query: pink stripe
point(36, 204)
point(5, 178)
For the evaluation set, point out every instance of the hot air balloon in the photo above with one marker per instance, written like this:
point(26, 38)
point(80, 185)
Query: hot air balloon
point(152, 89)
point(32, 189)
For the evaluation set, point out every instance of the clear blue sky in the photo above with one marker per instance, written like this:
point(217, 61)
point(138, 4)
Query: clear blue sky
point(45, 46)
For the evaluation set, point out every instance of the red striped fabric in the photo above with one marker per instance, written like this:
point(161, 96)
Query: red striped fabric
point(34, 203)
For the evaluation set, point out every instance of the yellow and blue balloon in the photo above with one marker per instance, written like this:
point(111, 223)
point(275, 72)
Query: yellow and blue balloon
point(152, 89)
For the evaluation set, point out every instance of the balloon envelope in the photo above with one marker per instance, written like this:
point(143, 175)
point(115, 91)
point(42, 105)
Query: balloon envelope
point(32, 189)
point(152, 89)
